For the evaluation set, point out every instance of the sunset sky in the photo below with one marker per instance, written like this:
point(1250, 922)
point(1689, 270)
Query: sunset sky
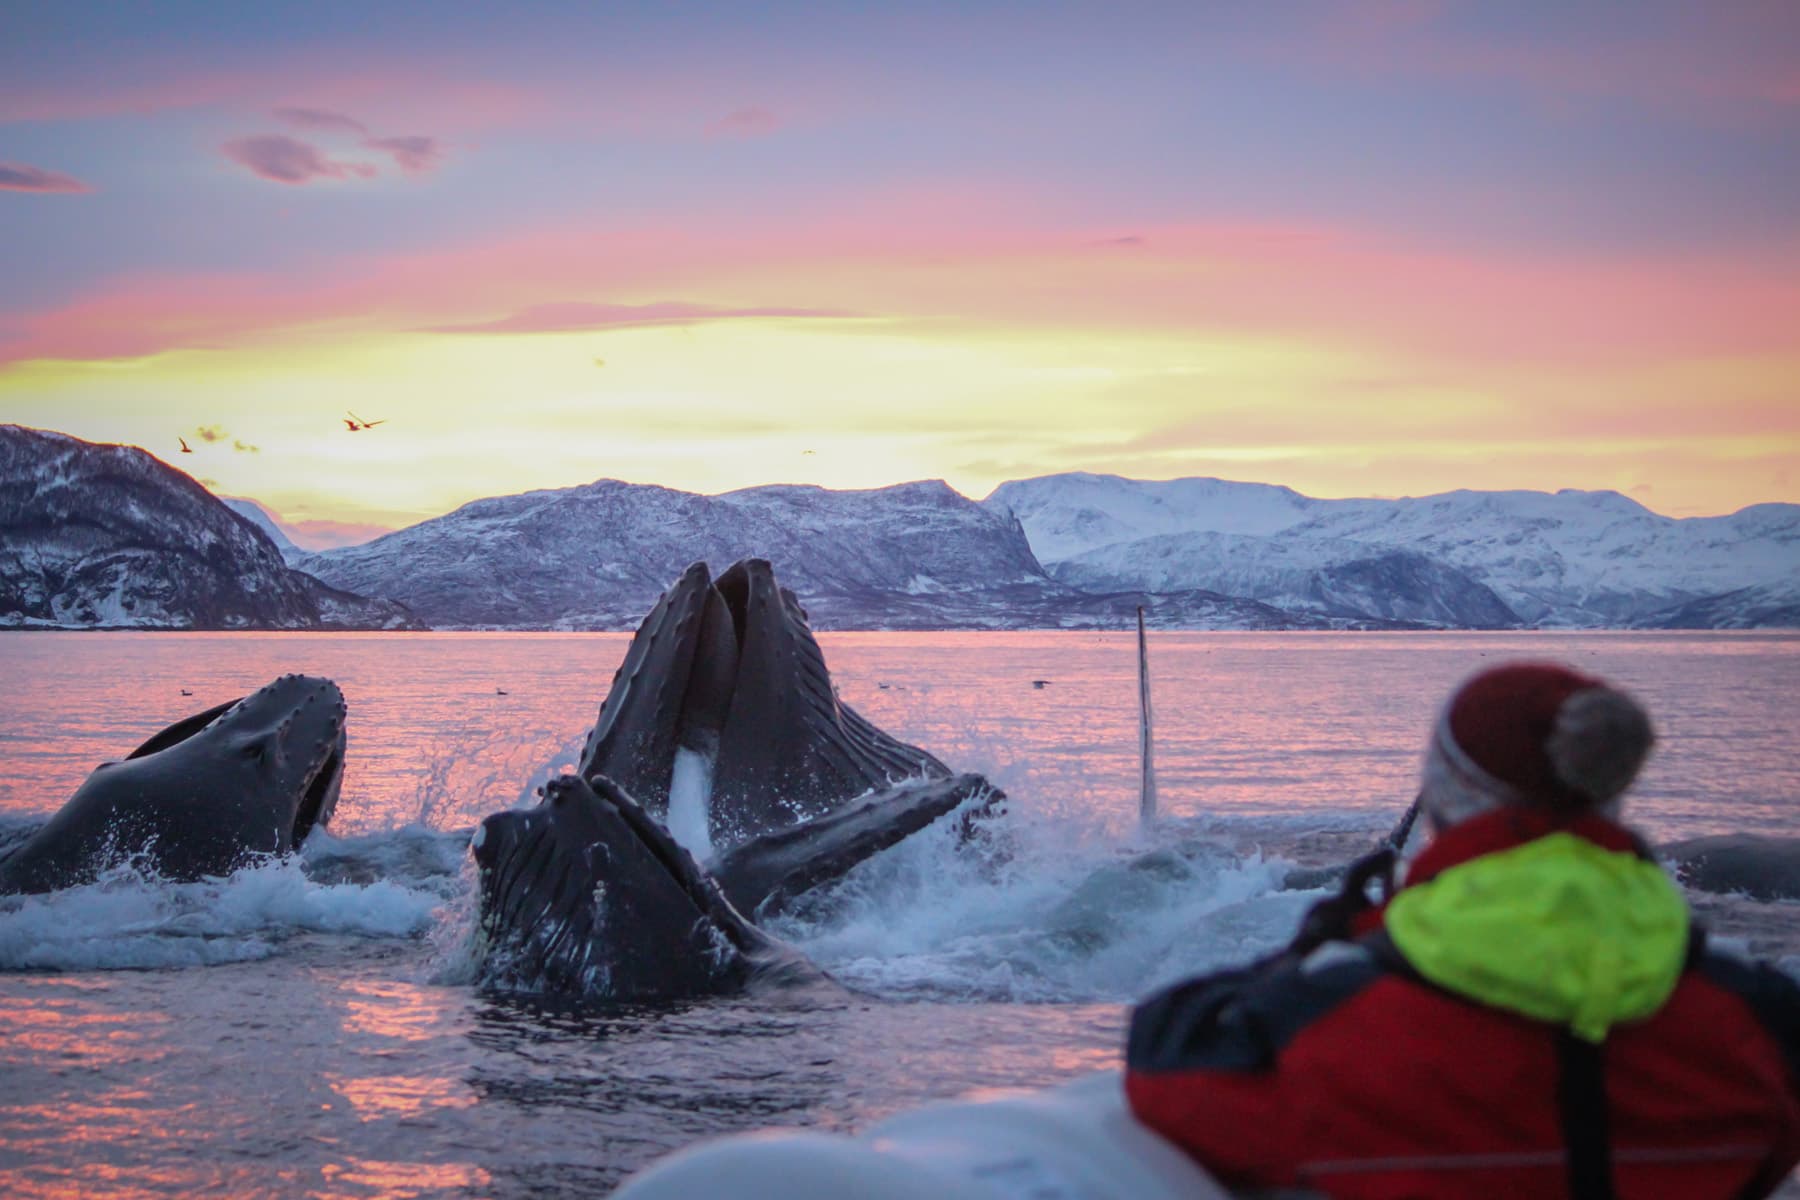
point(1359, 249)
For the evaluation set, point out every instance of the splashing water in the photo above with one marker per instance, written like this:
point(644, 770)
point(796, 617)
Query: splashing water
point(690, 799)
point(126, 919)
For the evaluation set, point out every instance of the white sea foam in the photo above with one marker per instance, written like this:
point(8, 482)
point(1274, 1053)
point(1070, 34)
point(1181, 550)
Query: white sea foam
point(128, 920)
point(1043, 917)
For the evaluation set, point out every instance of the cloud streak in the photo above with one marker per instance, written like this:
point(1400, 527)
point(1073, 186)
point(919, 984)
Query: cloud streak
point(282, 159)
point(749, 122)
point(321, 119)
point(413, 154)
point(18, 177)
point(576, 317)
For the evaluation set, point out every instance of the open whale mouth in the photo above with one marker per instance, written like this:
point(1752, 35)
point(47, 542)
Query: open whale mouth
point(587, 894)
point(725, 673)
point(321, 795)
point(293, 729)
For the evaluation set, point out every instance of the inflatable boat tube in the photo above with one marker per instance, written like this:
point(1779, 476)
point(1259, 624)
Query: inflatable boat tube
point(1074, 1142)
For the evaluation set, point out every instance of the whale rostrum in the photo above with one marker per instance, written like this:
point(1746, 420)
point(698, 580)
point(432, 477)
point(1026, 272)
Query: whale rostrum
point(203, 797)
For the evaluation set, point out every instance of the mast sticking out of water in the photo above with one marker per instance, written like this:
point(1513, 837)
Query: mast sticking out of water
point(1147, 784)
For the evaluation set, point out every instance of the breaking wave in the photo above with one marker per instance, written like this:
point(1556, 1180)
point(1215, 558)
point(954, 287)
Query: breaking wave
point(388, 885)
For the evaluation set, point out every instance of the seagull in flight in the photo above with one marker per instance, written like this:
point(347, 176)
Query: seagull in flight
point(185, 448)
point(356, 424)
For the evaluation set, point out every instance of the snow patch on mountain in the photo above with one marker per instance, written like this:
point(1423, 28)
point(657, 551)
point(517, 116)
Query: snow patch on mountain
point(1067, 515)
point(264, 520)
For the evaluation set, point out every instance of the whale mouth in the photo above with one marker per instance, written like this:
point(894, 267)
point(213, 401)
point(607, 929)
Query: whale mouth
point(292, 728)
point(728, 669)
point(587, 894)
point(320, 798)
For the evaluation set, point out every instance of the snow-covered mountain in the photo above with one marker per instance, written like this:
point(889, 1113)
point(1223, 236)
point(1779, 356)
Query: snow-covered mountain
point(1322, 575)
point(1068, 515)
point(917, 555)
point(1770, 606)
point(1570, 558)
point(109, 536)
point(260, 517)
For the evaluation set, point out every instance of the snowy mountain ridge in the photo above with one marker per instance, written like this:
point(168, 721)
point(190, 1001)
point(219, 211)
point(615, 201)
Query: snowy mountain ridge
point(914, 555)
point(99, 536)
point(111, 536)
point(1569, 558)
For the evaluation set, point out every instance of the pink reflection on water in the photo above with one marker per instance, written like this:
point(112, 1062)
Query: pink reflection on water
point(56, 1021)
point(396, 1009)
point(377, 1097)
point(1246, 723)
point(373, 1179)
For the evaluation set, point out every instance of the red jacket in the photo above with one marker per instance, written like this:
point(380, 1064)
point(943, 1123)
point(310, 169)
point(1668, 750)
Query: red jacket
point(1361, 1071)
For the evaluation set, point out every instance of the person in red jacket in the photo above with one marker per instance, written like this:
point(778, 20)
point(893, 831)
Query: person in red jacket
point(1534, 1014)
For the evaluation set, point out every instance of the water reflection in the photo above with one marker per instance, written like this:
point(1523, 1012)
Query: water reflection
point(372, 1179)
point(396, 1009)
point(1247, 723)
point(379, 1097)
point(335, 1069)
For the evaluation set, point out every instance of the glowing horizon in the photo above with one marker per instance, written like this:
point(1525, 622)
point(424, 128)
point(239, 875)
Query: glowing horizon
point(1389, 249)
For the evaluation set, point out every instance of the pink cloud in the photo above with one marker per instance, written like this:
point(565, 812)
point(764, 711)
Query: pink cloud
point(17, 177)
point(321, 534)
point(321, 119)
point(575, 316)
point(744, 123)
point(412, 154)
point(965, 259)
point(282, 159)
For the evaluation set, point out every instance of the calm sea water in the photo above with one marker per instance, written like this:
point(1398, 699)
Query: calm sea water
point(310, 1028)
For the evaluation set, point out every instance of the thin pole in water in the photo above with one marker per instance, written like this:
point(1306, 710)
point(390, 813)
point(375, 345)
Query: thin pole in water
point(1147, 784)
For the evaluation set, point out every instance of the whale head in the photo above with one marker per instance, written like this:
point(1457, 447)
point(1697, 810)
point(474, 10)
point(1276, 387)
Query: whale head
point(203, 797)
point(588, 895)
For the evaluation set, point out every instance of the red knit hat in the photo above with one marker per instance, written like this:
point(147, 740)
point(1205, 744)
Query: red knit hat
point(1534, 733)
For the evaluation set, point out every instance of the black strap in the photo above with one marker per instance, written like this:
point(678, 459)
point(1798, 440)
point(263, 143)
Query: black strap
point(1581, 1097)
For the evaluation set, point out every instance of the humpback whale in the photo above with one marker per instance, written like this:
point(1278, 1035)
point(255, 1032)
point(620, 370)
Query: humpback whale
point(590, 893)
point(202, 797)
point(728, 671)
point(1766, 868)
point(587, 894)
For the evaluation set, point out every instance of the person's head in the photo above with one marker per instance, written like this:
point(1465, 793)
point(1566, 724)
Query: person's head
point(1533, 734)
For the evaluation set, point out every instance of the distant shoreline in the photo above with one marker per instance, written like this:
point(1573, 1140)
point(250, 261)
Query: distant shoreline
point(1529, 631)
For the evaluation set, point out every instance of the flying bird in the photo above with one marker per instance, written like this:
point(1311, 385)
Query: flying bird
point(185, 448)
point(356, 424)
